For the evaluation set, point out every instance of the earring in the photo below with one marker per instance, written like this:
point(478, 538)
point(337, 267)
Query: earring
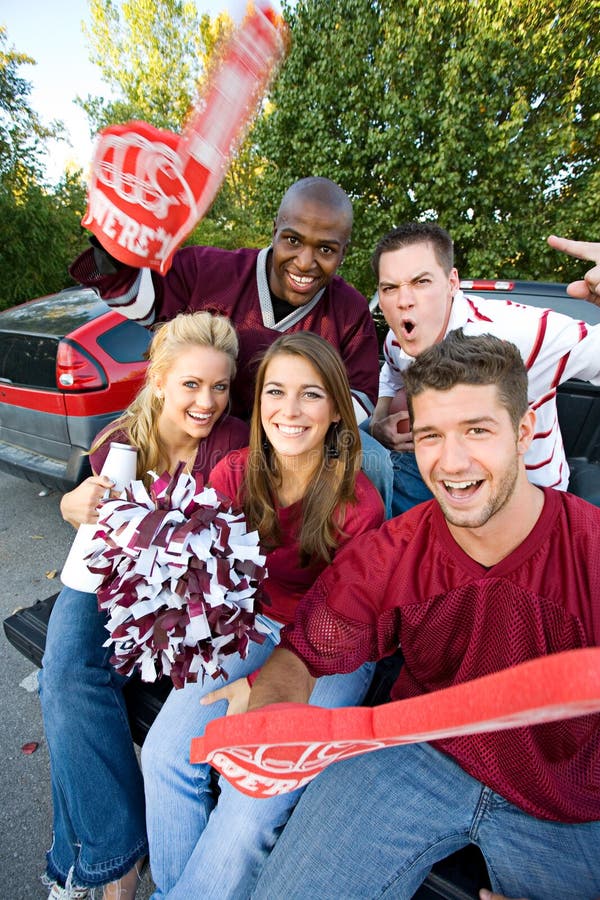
point(332, 450)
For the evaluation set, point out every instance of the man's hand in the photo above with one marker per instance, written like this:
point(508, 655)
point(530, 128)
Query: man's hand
point(80, 506)
point(589, 287)
point(283, 679)
point(237, 694)
point(385, 431)
point(384, 427)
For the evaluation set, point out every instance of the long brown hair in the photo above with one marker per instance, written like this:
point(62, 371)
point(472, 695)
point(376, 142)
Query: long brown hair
point(333, 484)
point(139, 420)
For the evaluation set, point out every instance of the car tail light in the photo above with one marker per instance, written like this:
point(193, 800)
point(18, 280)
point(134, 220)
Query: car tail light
point(76, 370)
point(482, 284)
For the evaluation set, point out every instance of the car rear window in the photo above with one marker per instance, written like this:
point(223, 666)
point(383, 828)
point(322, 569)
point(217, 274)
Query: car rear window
point(28, 359)
point(127, 342)
point(55, 315)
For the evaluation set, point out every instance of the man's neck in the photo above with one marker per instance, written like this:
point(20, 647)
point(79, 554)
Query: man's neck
point(504, 531)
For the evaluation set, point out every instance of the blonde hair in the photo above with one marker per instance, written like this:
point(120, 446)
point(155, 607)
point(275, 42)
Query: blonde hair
point(139, 420)
point(333, 484)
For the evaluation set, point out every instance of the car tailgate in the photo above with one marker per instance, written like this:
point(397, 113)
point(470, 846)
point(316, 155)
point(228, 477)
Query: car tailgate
point(30, 404)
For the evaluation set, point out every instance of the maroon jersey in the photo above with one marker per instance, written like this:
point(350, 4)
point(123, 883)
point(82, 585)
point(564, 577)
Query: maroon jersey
point(226, 435)
point(234, 283)
point(409, 584)
point(287, 580)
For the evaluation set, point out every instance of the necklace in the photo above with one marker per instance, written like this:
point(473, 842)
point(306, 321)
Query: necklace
point(189, 466)
point(189, 463)
point(177, 459)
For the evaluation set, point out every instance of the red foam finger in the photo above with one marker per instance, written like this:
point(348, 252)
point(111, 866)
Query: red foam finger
point(282, 747)
point(149, 188)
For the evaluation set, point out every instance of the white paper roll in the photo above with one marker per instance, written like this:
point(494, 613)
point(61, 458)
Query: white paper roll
point(120, 467)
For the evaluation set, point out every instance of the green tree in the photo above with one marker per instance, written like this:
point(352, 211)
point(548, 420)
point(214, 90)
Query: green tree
point(152, 55)
point(39, 225)
point(40, 234)
point(21, 131)
point(482, 115)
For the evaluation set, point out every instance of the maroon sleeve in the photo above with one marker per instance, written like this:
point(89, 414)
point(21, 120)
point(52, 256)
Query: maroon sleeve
point(98, 457)
point(330, 642)
point(359, 347)
point(345, 619)
point(228, 475)
point(174, 292)
point(85, 271)
point(368, 512)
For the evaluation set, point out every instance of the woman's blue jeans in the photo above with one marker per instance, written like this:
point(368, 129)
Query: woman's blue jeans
point(200, 846)
point(373, 826)
point(97, 791)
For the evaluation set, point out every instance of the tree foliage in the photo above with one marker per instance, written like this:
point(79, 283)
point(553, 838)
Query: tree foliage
point(39, 225)
point(21, 130)
point(40, 235)
point(480, 114)
point(152, 55)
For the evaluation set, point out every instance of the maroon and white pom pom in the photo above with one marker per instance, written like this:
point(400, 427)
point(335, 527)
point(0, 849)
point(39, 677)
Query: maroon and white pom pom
point(181, 579)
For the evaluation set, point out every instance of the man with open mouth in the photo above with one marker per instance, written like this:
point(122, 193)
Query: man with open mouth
point(420, 297)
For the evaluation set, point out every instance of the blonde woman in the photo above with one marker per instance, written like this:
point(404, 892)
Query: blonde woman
point(179, 415)
point(300, 485)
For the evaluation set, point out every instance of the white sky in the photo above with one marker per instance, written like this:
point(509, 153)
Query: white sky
point(51, 33)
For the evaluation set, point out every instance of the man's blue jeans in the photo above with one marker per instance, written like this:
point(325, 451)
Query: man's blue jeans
point(199, 849)
point(377, 466)
point(409, 488)
point(372, 826)
point(97, 791)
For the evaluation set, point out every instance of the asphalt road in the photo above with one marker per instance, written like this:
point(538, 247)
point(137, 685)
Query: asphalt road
point(34, 542)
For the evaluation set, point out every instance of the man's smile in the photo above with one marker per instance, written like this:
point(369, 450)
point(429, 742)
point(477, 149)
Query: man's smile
point(301, 282)
point(461, 490)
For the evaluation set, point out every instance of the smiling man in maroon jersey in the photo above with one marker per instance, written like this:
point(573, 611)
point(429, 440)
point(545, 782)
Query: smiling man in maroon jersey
point(287, 287)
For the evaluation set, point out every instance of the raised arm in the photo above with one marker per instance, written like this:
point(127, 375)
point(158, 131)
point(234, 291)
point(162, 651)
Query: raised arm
point(589, 287)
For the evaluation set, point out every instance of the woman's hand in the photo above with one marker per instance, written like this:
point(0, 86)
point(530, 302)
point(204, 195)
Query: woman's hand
point(237, 694)
point(80, 506)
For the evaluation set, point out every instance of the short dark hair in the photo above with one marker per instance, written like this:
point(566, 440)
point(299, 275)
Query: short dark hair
point(416, 233)
point(478, 360)
point(319, 190)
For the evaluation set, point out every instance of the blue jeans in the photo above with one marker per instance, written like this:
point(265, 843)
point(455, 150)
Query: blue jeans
point(377, 466)
point(97, 790)
point(201, 846)
point(373, 826)
point(409, 488)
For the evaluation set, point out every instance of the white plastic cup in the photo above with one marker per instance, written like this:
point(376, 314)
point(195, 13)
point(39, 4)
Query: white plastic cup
point(120, 467)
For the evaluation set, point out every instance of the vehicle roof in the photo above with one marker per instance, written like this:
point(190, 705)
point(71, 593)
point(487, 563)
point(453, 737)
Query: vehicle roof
point(55, 315)
point(546, 295)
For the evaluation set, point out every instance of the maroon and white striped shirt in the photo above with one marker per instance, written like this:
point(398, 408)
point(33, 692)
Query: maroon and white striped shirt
point(554, 348)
